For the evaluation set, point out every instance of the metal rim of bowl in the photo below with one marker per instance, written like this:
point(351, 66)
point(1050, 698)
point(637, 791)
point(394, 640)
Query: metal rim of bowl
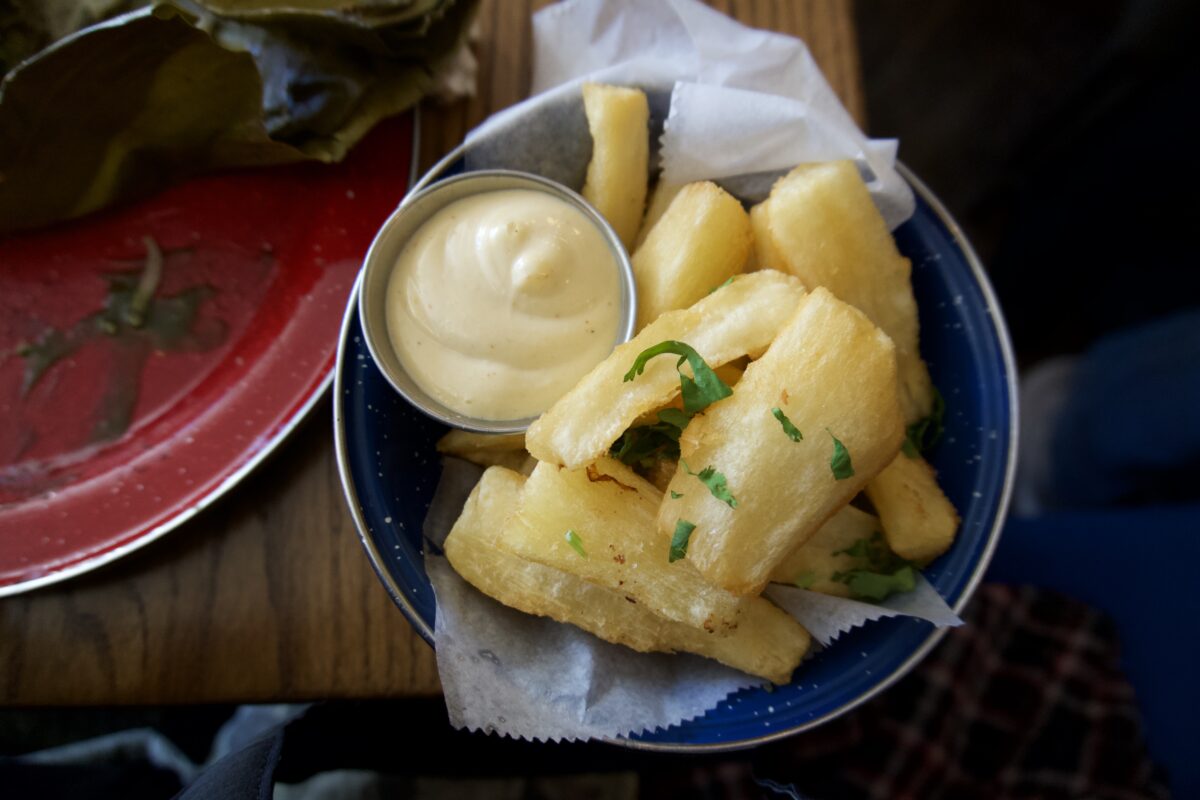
point(935, 636)
point(373, 279)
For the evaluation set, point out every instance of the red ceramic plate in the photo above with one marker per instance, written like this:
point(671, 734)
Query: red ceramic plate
point(113, 430)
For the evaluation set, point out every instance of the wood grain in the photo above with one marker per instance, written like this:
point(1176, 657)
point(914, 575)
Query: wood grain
point(268, 596)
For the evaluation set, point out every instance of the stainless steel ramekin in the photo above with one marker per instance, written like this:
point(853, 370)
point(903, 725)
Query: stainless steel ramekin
point(416, 209)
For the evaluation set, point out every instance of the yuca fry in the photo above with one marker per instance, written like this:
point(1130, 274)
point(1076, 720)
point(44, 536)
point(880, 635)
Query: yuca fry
point(702, 240)
point(660, 199)
point(833, 374)
point(813, 563)
point(919, 522)
point(767, 643)
point(486, 449)
point(618, 119)
point(765, 254)
point(611, 511)
point(738, 320)
point(526, 585)
point(826, 231)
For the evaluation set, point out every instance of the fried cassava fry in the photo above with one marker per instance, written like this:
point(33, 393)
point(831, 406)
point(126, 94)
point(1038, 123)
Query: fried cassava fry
point(832, 374)
point(738, 320)
point(769, 643)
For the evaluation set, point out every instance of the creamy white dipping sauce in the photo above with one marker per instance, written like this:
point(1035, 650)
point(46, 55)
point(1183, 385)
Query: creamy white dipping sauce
point(502, 301)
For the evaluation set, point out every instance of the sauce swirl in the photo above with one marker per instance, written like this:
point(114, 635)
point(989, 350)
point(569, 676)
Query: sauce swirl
point(502, 301)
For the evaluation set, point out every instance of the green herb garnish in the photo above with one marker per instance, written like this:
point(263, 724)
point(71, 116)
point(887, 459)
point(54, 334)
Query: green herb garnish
point(676, 495)
point(880, 572)
point(673, 416)
point(878, 586)
point(927, 431)
point(721, 285)
point(873, 550)
point(715, 481)
point(805, 580)
point(700, 390)
point(646, 444)
point(679, 542)
point(791, 430)
point(839, 463)
point(576, 543)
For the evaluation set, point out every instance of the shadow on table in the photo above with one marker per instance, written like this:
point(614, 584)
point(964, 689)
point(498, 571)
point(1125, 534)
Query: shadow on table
point(1023, 701)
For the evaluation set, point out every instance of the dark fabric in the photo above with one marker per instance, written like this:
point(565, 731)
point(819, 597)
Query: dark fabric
point(1025, 701)
point(126, 780)
point(248, 774)
point(1136, 565)
point(1129, 432)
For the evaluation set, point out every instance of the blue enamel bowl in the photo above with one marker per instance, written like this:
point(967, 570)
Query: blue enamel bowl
point(389, 470)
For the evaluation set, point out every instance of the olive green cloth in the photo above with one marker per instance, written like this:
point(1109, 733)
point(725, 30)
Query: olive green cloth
point(117, 102)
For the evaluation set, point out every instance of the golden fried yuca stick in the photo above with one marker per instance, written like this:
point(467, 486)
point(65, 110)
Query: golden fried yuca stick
point(526, 585)
point(813, 563)
point(660, 199)
point(740, 319)
point(765, 254)
point(611, 511)
point(486, 449)
point(823, 227)
point(702, 240)
point(832, 374)
point(768, 643)
point(619, 170)
point(826, 230)
point(919, 522)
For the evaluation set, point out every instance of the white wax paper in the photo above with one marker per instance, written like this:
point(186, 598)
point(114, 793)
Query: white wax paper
point(732, 104)
point(506, 672)
point(827, 618)
point(528, 677)
point(744, 105)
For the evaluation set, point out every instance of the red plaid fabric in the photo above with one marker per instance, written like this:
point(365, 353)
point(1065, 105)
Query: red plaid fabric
point(1025, 701)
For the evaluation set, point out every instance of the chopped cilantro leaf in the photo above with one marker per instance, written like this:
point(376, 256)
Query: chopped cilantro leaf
point(679, 542)
point(879, 572)
point(721, 285)
point(840, 462)
point(791, 430)
point(673, 416)
point(860, 549)
point(575, 542)
point(676, 495)
point(875, 550)
point(716, 483)
point(865, 585)
point(805, 580)
point(643, 446)
point(923, 434)
point(700, 390)
point(646, 444)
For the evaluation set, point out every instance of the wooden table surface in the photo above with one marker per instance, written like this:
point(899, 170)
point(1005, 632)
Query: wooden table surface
point(268, 596)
